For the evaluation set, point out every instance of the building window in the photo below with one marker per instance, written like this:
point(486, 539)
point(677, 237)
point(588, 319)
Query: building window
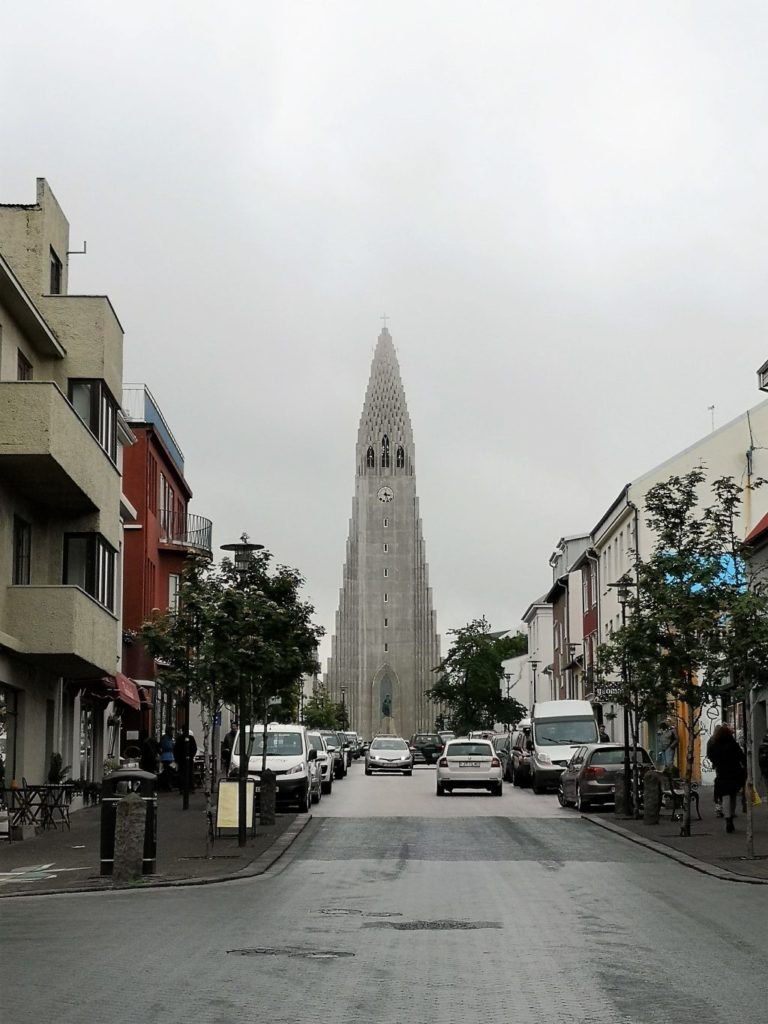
point(96, 407)
point(593, 584)
point(23, 367)
point(89, 563)
point(386, 623)
point(386, 598)
point(55, 274)
point(386, 548)
point(22, 552)
point(386, 648)
point(166, 499)
point(400, 458)
point(370, 458)
point(386, 523)
point(385, 452)
point(386, 573)
point(585, 592)
point(174, 585)
point(152, 487)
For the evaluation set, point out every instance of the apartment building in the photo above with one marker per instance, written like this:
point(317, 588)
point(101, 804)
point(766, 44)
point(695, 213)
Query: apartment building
point(565, 597)
point(157, 544)
point(61, 510)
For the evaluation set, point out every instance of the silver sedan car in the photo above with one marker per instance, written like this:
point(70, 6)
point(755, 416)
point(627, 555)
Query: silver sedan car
point(388, 754)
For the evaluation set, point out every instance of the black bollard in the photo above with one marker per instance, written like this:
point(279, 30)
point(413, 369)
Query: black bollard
point(651, 797)
point(267, 797)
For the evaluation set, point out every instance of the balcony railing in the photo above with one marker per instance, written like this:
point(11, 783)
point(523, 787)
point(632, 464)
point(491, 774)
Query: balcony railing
point(187, 530)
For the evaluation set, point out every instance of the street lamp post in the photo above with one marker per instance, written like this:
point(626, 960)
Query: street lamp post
point(344, 706)
point(622, 592)
point(534, 665)
point(242, 555)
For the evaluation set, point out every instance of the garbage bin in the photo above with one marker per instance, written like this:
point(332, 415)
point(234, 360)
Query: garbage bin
point(114, 788)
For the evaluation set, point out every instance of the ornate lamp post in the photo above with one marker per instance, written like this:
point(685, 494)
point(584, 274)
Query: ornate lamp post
point(534, 665)
point(242, 553)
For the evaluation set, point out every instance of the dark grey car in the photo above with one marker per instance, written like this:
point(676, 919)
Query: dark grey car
point(591, 774)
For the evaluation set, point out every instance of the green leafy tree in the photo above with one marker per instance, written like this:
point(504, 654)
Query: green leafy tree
point(695, 629)
point(469, 678)
point(341, 717)
point(320, 710)
point(241, 636)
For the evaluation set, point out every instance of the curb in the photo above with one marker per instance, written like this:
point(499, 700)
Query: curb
point(258, 866)
point(723, 874)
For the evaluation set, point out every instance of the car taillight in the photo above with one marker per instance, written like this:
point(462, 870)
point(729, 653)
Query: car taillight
point(443, 762)
point(593, 772)
point(495, 763)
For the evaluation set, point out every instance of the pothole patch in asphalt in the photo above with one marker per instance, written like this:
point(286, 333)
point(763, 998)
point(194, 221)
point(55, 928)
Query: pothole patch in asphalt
point(350, 912)
point(292, 951)
point(436, 926)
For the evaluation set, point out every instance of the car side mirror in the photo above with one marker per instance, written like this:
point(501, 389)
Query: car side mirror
point(312, 755)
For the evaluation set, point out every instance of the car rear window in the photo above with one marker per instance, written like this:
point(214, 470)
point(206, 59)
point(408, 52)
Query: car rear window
point(616, 756)
point(483, 749)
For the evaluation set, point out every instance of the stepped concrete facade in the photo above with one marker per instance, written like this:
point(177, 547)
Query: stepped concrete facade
point(386, 642)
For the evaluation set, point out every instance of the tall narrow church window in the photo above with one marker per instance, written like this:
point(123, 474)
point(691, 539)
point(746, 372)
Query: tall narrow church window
point(386, 521)
point(386, 623)
point(370, 458)
point(386, 598)
point(386, 647)
point(385, 452)
point(386, 573)
point(400, 459)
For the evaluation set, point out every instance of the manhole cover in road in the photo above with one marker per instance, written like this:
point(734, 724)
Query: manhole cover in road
point(292, 951)
point(436, 926)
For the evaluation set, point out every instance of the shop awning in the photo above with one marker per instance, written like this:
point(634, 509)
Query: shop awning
point(124, 689)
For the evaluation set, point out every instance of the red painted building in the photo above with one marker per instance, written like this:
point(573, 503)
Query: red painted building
point(156, 547)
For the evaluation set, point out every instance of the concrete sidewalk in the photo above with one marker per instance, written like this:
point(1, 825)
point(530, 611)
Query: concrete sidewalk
point(709, 847)
point(60, 860)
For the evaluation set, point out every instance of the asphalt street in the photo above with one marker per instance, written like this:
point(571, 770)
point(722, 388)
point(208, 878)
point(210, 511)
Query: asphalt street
point(395, 906)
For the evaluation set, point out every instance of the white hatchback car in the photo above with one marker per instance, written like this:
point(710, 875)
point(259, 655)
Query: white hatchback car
point(469, 764)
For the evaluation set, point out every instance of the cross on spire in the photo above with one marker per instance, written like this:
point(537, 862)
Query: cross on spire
point(384, 319)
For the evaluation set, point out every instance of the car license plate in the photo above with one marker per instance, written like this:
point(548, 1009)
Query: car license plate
point(467, 764)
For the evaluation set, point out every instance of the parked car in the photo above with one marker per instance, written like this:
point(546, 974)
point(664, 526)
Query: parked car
point(520, 754)
point(446, 735)
point(289, 756)
point(389, 754)
point(355, 744)
point(503, 746)
point(336, 747)
point(325, 761)
point(469, 764)
point(426, 747)
point(590, 776)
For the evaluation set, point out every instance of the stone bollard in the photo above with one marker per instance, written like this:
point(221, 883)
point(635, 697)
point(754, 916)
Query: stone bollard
point(267, 797)
point(129, 839)
point(651, 797)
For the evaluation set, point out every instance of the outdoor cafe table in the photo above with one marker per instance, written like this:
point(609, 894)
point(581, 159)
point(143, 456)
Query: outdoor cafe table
point(43, 806)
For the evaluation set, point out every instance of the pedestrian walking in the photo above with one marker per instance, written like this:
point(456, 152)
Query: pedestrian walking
point(227, 745)
point(184, 751)
point(167, 759)
point(149, 751)
point(730, 764)
point(762, 759)
point(668, 743)
point(603, 733)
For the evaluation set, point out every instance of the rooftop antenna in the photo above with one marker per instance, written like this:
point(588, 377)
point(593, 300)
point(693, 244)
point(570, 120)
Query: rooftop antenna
point(711, 409)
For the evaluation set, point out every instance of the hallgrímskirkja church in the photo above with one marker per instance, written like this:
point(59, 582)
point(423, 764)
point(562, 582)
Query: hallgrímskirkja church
point(386, 642)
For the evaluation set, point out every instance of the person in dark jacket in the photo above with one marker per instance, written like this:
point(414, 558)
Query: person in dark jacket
point(149, 752)
point(730, 764)
point(184, 751)
point(762, 759)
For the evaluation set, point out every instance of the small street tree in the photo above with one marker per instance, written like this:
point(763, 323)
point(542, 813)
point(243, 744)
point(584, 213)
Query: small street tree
point(695, 627)
point(241, 636)
point(469, 678)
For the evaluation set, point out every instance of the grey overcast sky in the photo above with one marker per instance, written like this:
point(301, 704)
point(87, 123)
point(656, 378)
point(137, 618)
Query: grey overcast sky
point(561, 206)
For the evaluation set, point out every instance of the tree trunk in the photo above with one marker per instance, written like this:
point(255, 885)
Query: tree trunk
point(750, 784)
point(685, 830)
point(206, 714)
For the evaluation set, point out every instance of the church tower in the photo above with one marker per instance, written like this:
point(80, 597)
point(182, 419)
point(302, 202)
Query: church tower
point(386, 643)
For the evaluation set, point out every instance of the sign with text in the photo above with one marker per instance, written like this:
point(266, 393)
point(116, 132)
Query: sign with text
point(608, 691)
point(227, 804)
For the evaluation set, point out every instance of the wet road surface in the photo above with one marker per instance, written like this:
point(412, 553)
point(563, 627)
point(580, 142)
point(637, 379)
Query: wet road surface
point(395, 906)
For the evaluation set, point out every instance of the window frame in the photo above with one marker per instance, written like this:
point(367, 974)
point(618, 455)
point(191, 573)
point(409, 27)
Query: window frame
point(102, 412)
point(55, 272)
point(100, 567)
point(21, 562)
point(24, 367)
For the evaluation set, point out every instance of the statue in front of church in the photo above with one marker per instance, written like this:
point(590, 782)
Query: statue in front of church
point(386, 706)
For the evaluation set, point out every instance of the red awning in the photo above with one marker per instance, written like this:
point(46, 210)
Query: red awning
point(125, 690)
point(145, 695)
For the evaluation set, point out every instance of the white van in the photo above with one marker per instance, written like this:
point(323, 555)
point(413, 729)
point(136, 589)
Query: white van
point(557, 728)
point(289, 755)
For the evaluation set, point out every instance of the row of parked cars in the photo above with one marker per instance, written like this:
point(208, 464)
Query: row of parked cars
point(306, 762)
point(559, 750)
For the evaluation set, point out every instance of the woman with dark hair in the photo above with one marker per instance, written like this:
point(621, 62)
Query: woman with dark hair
point(730, 764)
